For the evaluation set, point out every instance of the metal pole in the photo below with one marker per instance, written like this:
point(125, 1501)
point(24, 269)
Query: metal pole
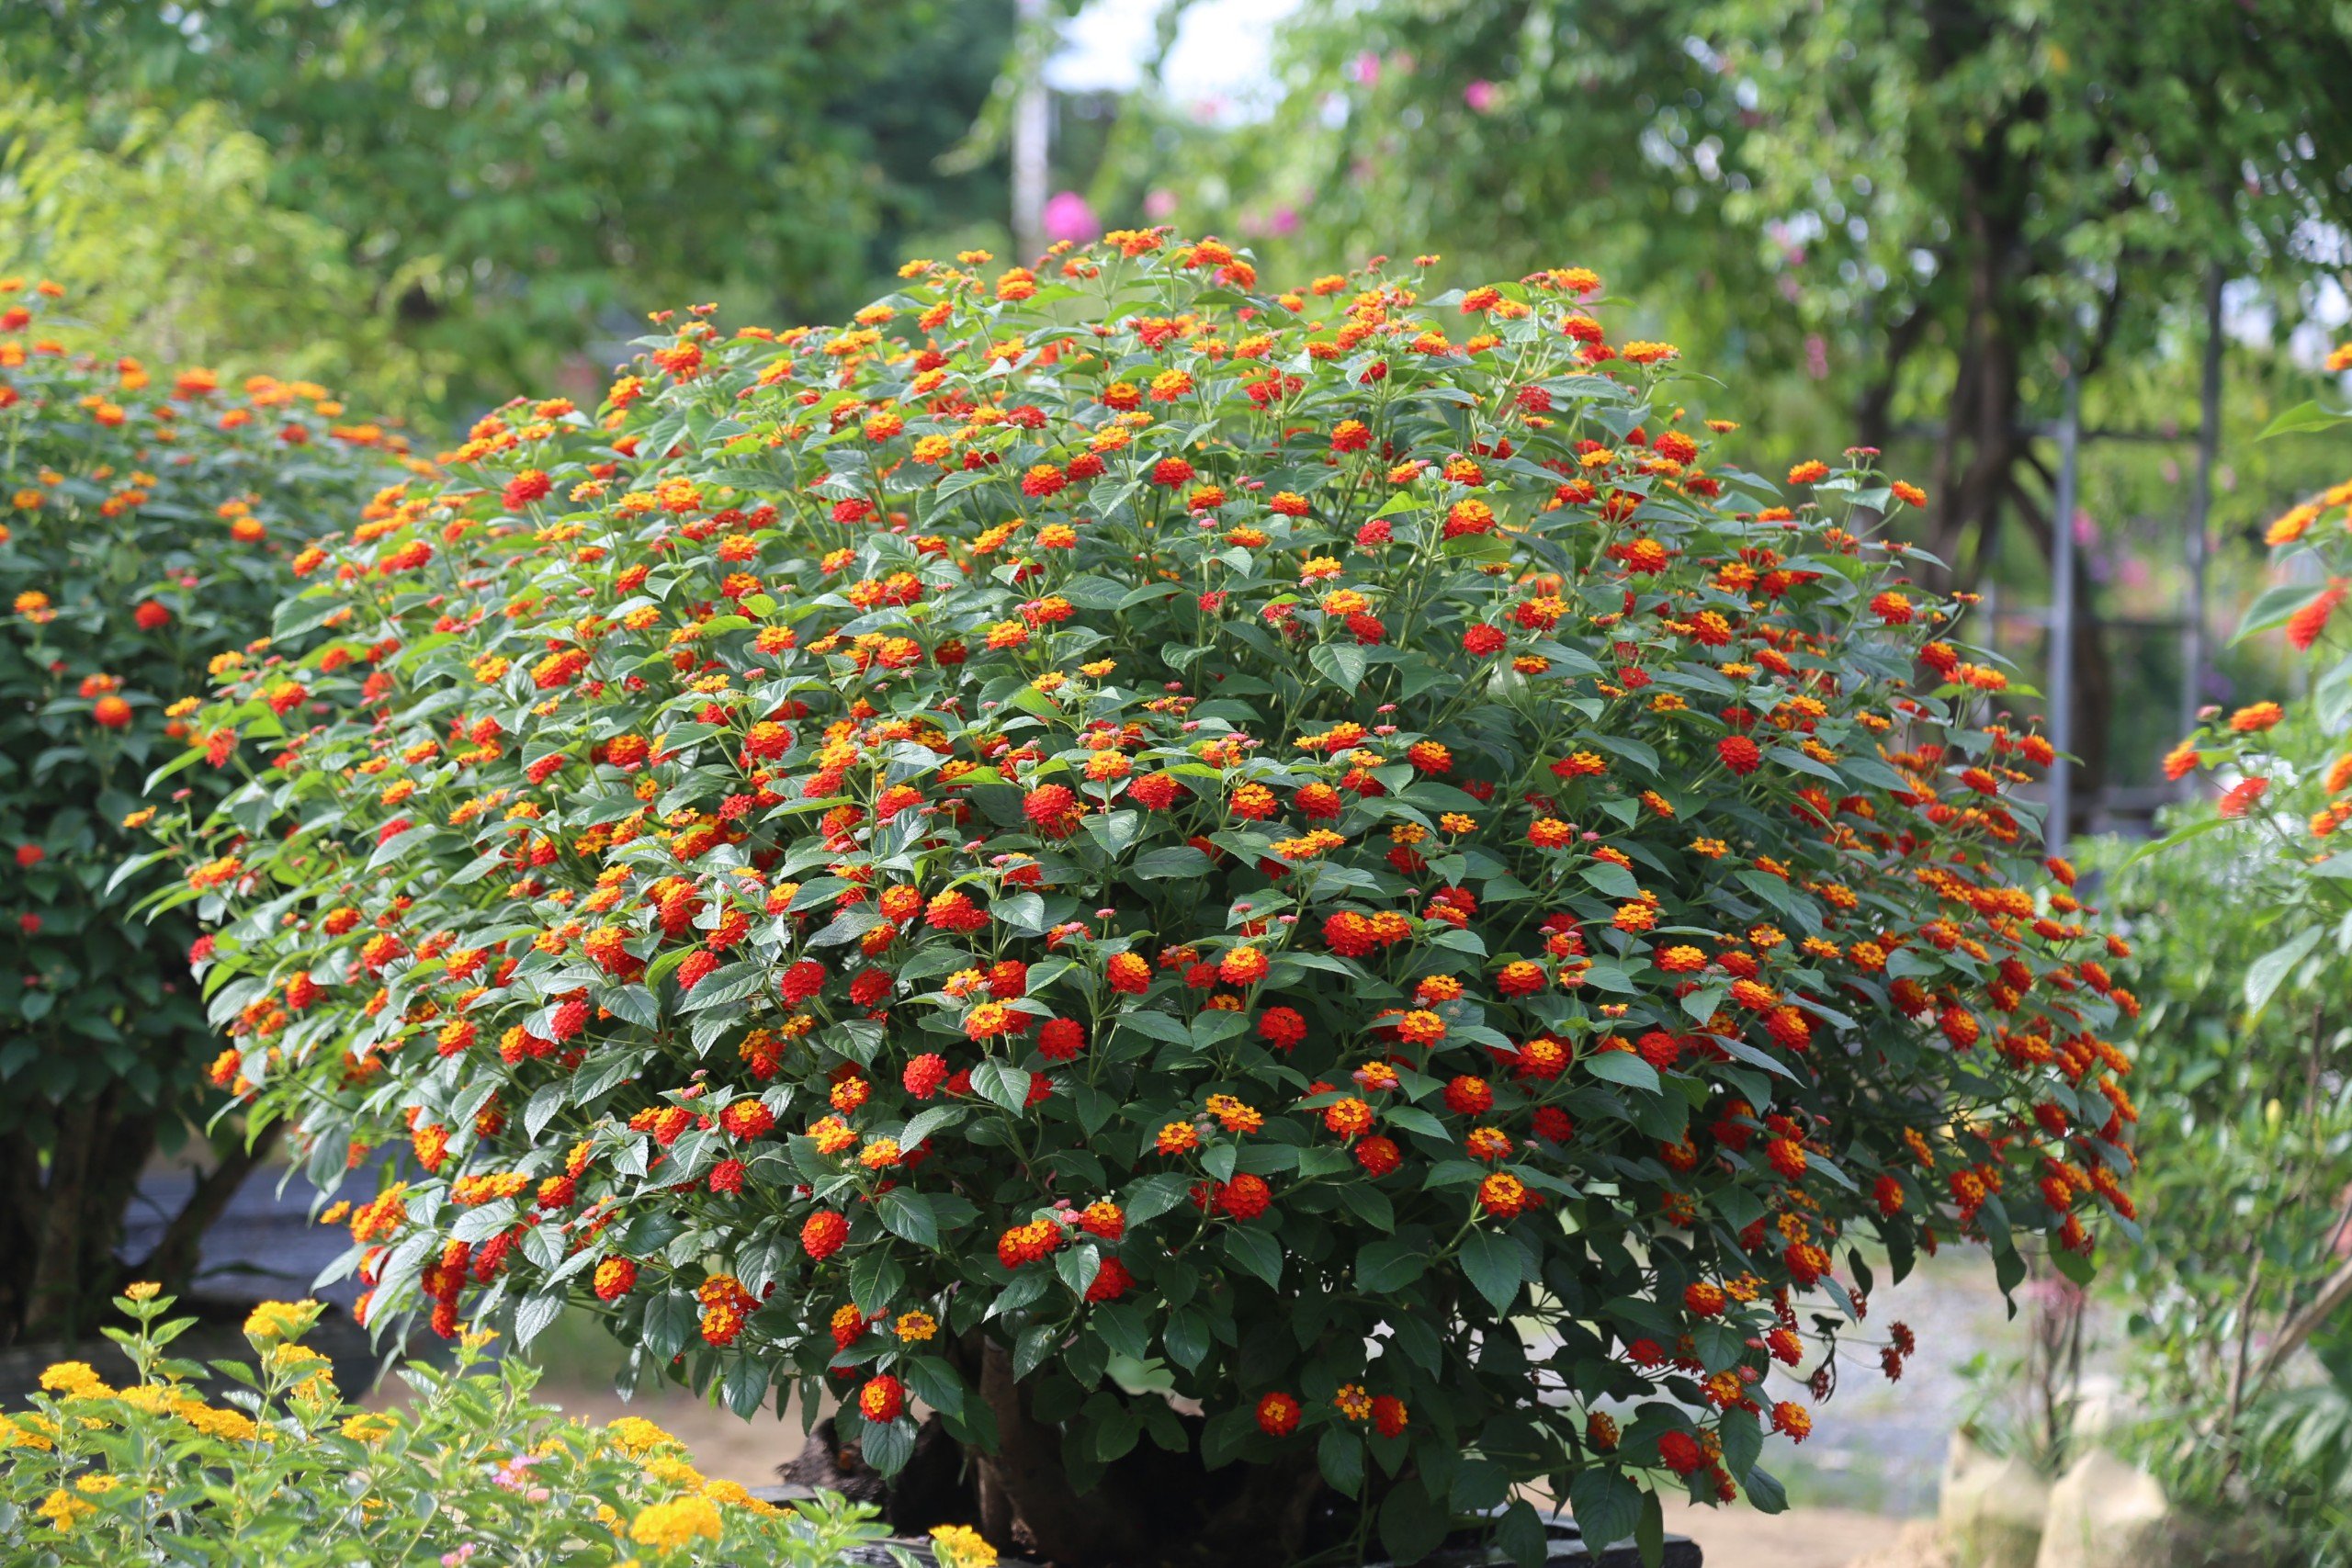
point(2059, 826)
point(1031, 128)
point(2200, 505)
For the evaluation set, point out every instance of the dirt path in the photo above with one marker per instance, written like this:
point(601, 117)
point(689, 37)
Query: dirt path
point(1802, 1538)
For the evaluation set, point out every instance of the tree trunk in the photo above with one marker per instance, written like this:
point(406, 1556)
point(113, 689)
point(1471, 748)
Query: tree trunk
point(64, 1220)
point(171, 1262)
point(1151, 1507)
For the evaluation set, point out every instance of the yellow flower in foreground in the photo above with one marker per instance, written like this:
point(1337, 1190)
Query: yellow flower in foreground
point(960, 1546)
point(635, 1434)
point(26, 1432)
point(281, 1320)
point(671, 1470)
point(668, 1525)
point(62, 1511)
point(734, 1495)
point(368, 1427)
point(74, 1379)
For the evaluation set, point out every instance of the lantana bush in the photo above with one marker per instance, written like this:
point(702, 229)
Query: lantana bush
point(1295, 911)
point(146, 519)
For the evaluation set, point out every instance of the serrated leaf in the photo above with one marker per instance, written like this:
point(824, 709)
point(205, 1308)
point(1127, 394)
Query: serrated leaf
point(1257, 1252)
point(1389, 1265)
point(1177, 860)
point(1607, 1504)
point(1342, 663)
point(1622, 1067)
point(1116, 831)
point(909, 1214)
point(724, 986)
point(1002, 1083)
point(1495, 1265)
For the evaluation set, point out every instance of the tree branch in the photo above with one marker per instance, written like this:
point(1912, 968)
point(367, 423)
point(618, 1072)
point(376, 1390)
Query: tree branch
point(2304, 1324)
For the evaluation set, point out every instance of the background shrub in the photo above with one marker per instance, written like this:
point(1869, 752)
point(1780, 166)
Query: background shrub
point(1111, 835)
point(2240, 916)
point(150, 517)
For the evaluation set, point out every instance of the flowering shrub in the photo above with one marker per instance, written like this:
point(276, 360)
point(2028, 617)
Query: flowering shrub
point(148, 517)
point(1103, 835)
point(2245, 1362)
point(282, 1470)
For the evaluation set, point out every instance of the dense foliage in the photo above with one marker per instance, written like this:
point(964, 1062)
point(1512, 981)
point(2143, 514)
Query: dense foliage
point(271, 1464)
point(2242, 915)
point(149, 517)
point(1110, 835)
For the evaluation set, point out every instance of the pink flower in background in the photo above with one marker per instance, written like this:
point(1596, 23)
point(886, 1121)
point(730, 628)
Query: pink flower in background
point(1816, 356)
point(1160, 206)
point(1068, 217)
point(1365, 70)
point(1283, 220)
point(1480, 96)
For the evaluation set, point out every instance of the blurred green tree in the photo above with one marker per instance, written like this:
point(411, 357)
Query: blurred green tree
point(509, 176)
point(164, 224)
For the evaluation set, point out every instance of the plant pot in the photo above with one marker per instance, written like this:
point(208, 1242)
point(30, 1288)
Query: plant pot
point(1567, 1549)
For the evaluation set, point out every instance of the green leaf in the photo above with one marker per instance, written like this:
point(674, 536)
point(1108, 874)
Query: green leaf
point(1611, 880)
point(2302, 419)
point(888, 1448)
point(746, 1387)
point(725, 986)
point(1002, 1083)
point(1479, 1484)
point(1607, 1504)
point(1078, 1267)
point(1256, 1252)
point(909, 1214)
point(1386, 1267)
point(2268, 973)
point(1411, 1524)
point(1520, 1536)
point(1495, 1265)
point(1178, 860)
point(1622, 1067)
point(634, 1003)
point(1153, 1196)
point(1649, 1530)
point(1116, 831)
point(1226, 1437)
point(1186, 1335)
point(2275, 608)
point(669, 1319)
point(1340, 1454)
point(1342, 663)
